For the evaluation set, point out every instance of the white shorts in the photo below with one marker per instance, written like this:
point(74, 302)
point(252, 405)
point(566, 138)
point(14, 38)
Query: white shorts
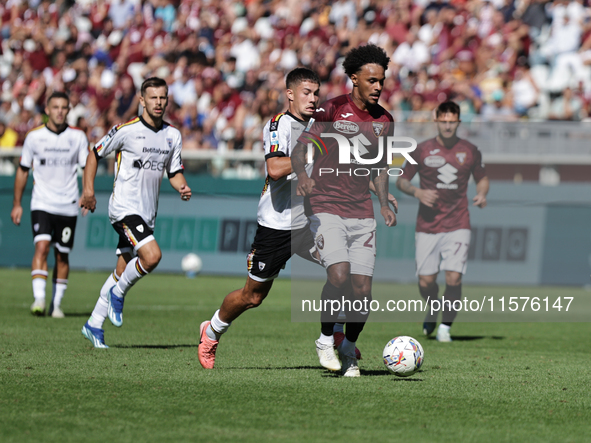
point(340, 239)
point(447, 251)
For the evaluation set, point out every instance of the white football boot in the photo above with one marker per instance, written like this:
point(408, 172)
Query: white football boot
point(328, 359)
point(349, 362)
point(443, 335)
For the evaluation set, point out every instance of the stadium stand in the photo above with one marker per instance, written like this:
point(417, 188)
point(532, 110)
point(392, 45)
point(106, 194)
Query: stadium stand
point(501, 60)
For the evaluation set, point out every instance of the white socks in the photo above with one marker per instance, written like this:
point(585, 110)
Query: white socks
point(326, 339)
point(99, 314)
point(109, 283)
point(39, 282)
point(59, 288)
point(217, 327)
point(132, 273)
point(444, 327)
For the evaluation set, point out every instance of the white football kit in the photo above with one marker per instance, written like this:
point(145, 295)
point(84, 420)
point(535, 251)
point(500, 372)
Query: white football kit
point(142, 155)
point(279, 206)
point(54, 158)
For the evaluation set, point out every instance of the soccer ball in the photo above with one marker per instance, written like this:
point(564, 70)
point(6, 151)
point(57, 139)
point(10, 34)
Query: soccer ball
point(403, 356)
point(191, 264)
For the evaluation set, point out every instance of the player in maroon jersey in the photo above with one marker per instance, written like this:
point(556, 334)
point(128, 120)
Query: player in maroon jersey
point(442, 238)
point(342, 219)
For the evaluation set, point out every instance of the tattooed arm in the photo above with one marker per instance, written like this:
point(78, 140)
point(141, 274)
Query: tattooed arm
point(380, 182)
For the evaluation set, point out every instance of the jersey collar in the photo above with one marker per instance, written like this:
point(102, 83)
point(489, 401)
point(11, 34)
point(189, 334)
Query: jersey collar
point(149, 126)
point(56, 132)
point(294, 117)
point(373, 111)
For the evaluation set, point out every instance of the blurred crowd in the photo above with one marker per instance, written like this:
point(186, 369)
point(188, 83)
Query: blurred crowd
point(225, 61)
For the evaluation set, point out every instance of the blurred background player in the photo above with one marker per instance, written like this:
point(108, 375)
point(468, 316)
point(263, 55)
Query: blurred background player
point(282, 225)
point(54, 151)
point(343, 221)
point(144, 148)
point(442, 238)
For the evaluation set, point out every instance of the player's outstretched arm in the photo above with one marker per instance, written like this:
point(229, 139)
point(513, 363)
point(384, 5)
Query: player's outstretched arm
point(88, 200)
point(380, 182)
point(425, 196)
point(482, 188)
point(179, 183)
point(298, 164)
point(20, 181)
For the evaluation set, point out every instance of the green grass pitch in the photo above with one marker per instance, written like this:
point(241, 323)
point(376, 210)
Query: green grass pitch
point(497, 382)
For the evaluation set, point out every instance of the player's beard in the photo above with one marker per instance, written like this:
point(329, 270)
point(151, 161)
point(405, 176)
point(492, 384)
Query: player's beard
point(156, 118)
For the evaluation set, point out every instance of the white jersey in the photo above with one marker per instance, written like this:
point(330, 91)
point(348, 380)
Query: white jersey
point(279, 207)
point(55, 158)
point(142, 154)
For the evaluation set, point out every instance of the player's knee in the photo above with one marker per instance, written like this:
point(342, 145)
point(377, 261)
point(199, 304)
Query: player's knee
point(42, 249)
point(253, 299)
point(427, 282)
point(454, 282)
point(151, 260)
point(338, 276)
point(255, 302)
point(363, 291)
point(453, 279)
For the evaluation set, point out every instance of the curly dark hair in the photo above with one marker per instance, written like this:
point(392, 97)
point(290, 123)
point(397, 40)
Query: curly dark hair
point(364, 55)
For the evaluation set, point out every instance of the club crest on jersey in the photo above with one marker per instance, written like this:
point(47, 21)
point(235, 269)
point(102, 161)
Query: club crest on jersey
point(169, 141)
point(346, 127)
point(261, 266)
point(320, 242)
point(378, 128)
point(140, 228)
point(461, 156)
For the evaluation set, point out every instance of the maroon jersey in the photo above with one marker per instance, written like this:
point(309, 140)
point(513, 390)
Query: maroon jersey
point(345, 190)
point(447, 171)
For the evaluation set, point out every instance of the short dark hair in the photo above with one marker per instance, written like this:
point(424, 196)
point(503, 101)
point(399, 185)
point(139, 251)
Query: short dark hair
point(153, 82)
point(365, 55)
point(298, 75)
point(58, 94)
point(448, 107)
